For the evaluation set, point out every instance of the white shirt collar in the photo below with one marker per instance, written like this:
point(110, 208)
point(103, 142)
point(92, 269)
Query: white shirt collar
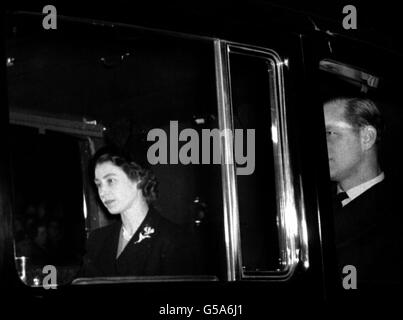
point(361, 188)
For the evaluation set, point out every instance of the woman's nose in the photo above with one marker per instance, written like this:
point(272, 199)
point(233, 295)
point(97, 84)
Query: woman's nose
point(101, 190)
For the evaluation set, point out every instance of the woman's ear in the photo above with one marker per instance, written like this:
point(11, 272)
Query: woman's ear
point(368, 137)
point(138, 183)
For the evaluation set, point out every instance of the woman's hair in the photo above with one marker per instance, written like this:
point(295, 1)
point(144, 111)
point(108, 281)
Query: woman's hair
point(148, 183)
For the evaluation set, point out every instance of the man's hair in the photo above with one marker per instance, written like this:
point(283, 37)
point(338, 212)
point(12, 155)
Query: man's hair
point(147, 181)
point(360, 112)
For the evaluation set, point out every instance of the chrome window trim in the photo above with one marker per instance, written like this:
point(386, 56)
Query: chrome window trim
point(142, 279)
point(57, 124)
point(293, 235)
point(230, 203)
point(116, 25)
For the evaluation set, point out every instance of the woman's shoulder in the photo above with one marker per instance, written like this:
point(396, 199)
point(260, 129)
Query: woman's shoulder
point(164, 224)
point(104, 232)
point(166, 229)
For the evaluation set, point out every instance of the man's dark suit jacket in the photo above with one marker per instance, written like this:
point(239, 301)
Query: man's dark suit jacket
point(366, 237)
point(166, 252)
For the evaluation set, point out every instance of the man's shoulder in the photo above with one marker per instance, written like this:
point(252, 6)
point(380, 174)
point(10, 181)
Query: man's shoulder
point(385, 192)
point(378, 191)
point(378, 201)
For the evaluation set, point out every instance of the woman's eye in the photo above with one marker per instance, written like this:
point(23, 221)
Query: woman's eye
point(110, 181)
point(330, 133)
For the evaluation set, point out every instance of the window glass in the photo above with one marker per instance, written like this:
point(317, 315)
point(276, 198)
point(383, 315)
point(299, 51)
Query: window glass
point(257, 194)
point(48, 206)
point(130, 83)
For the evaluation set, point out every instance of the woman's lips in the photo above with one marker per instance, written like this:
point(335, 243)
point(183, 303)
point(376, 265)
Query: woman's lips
point(108, 202)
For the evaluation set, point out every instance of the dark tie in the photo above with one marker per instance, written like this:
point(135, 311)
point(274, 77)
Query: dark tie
point(339, 199)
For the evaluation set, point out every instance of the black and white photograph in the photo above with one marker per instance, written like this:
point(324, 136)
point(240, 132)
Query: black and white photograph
point(202, 160)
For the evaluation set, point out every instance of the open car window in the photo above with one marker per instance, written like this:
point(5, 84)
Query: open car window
point(74, 92)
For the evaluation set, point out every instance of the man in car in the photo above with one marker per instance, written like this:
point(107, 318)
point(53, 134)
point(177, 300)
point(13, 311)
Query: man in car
point(364, 214)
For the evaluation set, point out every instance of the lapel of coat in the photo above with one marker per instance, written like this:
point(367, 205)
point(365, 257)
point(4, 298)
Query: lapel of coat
point(108, 249)
point(133, 258)
point(357, 217)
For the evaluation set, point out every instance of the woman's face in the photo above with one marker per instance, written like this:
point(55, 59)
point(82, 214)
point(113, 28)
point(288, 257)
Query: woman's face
point(117, 192)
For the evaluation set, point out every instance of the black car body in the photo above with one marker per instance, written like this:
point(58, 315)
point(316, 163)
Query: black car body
point(115, 76)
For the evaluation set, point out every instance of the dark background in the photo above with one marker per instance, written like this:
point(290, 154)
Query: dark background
point(378, 21)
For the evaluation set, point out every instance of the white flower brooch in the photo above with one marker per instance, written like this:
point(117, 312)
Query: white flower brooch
point(145, 233)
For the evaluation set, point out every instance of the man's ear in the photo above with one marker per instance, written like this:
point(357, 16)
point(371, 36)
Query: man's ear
point(368, 137)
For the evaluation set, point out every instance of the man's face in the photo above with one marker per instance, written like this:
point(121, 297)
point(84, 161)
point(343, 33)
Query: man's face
point(343, 143)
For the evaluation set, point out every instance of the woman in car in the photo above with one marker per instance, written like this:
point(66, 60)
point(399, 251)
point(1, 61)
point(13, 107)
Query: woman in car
point(142, 243)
